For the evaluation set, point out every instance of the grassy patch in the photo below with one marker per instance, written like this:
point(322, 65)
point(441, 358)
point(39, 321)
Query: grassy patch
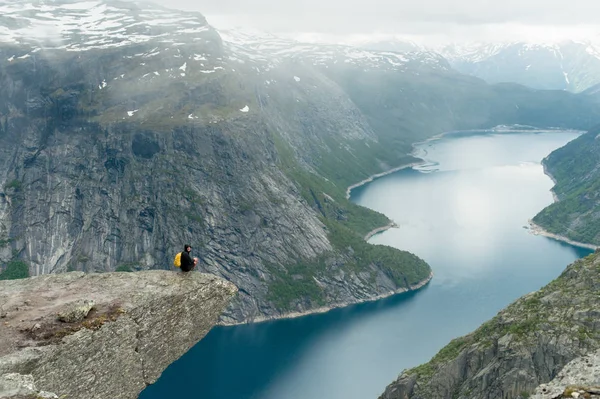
point(13, 185)
point(452, 350)
point(128, 267)
point(448, 353)
point(295, 283)
point(15, 269)
point(525, 327)
point(424, 371)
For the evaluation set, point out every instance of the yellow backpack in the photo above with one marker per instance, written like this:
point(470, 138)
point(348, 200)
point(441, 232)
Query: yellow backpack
point(177, 261)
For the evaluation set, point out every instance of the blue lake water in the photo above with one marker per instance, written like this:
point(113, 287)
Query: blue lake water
point(464, 213)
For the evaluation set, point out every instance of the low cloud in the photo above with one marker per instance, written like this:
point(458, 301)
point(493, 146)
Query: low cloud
point(422, 18)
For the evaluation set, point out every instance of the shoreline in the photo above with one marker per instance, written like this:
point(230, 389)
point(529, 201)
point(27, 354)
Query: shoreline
point(535, 229)
point(497, 129)
point(547, 173)
point(538, 230)
point(325, 309)
point(378, 175)
point(370, 234)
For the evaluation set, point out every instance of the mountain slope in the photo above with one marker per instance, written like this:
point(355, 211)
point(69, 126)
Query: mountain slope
point(526, 344)
point(114, 157)
point(116, 149)
point(576, 171)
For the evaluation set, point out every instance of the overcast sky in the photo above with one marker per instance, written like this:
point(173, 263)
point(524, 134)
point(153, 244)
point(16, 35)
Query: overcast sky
point(438, 19)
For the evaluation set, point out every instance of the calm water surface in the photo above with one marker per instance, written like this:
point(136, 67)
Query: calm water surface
point(464, 213)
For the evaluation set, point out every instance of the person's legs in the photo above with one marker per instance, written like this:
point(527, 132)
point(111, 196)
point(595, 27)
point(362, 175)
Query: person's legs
point(185, 269)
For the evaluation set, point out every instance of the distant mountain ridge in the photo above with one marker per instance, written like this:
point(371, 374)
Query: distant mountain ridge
point(568, 65)
point(262, 46)
point(572, 66)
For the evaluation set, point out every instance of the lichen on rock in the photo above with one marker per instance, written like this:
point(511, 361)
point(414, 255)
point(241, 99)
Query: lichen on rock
point(76, 311)
point(18, 386)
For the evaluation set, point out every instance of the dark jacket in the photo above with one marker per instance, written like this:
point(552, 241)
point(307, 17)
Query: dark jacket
point(187, 262)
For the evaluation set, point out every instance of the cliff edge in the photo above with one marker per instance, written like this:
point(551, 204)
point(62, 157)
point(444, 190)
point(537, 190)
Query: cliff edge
point(107, 335)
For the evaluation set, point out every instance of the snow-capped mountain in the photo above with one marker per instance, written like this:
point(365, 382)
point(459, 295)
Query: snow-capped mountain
point(568, 65)
point(86, 25)
point(573, 66)
point(72, 26)
point(258, 46)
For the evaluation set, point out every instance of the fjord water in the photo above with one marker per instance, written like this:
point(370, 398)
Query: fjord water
point(464, 213)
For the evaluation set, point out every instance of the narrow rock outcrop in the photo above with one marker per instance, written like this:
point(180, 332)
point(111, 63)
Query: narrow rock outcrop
point(525, 345)
point(138, 325)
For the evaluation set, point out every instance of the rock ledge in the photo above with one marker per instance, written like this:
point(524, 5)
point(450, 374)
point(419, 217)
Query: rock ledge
point(138, 325)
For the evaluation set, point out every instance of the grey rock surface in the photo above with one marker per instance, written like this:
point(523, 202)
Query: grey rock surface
point(14, 384)
point(141, 323)
point(76, 311)
point(18, 386)
point(580, 378)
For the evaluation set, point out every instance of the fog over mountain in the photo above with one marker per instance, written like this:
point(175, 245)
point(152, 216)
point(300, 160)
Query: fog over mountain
point(533, 43)
point(432, 20)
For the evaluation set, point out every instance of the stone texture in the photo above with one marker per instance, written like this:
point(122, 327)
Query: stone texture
point(579, 378)
point(18, 386)
point(140, 324)
point(14, 384)
point(76, 311)
point(525, 345)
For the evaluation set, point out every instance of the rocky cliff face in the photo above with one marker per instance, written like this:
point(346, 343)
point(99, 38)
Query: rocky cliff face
point(525, 345)
point(138, 143)
point(131, 130)
point(580, 378)
point(139, 323)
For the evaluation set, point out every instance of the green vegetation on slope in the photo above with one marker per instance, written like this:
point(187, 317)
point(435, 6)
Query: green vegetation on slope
point(13, 185)
point(404, 108)
point(576, 169)
point(347, 224)
point(15, 269)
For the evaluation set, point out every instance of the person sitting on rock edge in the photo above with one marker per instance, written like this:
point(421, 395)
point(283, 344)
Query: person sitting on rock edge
point(187, 262)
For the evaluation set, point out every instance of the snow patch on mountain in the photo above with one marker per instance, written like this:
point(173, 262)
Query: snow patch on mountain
point(86, 25)
point(253, 47)
point(566, 65)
